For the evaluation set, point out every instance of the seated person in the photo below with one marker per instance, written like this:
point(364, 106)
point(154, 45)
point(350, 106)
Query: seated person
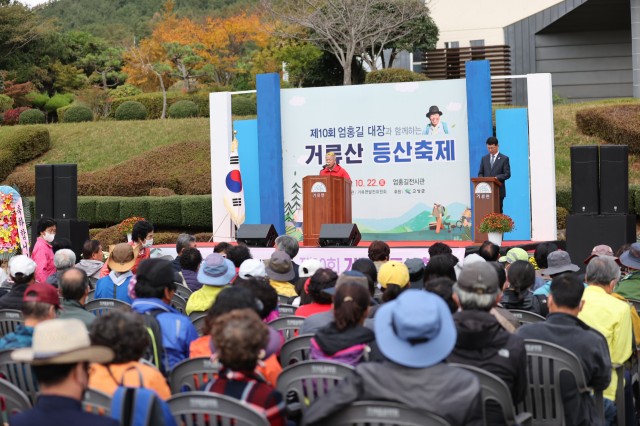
point(321, 280)
point(190, 261)
point(520, 278)
point(40, 303)
point(92, 260)
point(280, 271)
point(22, 272)
point(564, 328)
point(415, 332)
point(229, 299)
point(74, 286)
point(345, 339)
point(127, 336)
point(122, 258)
point(240, 338)
point(60, 359)
point(63, 259)
point(215, 273)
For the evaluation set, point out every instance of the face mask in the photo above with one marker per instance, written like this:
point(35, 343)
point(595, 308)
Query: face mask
point(148, 243)
point(48, 237)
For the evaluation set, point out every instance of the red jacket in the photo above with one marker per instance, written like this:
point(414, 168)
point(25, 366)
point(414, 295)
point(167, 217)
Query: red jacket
point(336, 171)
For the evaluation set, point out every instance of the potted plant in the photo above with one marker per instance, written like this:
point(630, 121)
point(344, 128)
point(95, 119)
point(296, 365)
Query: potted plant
point(126, 226)
point(496, 224)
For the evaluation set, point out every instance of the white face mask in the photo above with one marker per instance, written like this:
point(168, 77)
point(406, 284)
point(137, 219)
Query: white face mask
point(48, 237)
point(148, 243)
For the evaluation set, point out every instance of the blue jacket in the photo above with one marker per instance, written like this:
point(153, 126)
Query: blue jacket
point(104, 289)
point(177, 330)
point(21, 338)
point(53, 410)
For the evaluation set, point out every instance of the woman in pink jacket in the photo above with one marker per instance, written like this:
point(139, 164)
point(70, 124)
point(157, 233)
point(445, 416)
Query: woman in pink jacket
point(42, 252)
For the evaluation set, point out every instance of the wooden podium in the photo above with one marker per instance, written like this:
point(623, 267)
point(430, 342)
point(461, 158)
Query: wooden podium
point(326, 199)
point(486, 199)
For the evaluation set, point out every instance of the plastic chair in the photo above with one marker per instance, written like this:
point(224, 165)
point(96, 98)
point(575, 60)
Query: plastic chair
point(9, 320)
point(91, 295)
point(19, 374)
point(179, 303)
point(99, 307)
point(295, 350)
point(526, 317)
point(200, 408)
point(306, 381)
point(283, 300)
point(96, 402)
point(288, 326)
point(12, 401)
point(191, 374)
point(546, 361)
point(286, 310)
point(198, 322)
point(183, 291)
point(383, 413)
point(495, 389)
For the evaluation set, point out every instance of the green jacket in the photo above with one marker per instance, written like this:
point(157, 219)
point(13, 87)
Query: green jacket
point(73, 309)
point(629, 286)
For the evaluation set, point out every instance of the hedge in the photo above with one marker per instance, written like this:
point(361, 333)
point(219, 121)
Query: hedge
point(131, 110)
point(393, 75)
point(618, 124)
point(76, 114)
point(563, 198)
point(32, 116)
point(183, 109)
point(17, 146)
point(184, 212)
point(153, 102)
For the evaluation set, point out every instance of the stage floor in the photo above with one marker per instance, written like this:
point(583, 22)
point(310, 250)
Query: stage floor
point(404, 244)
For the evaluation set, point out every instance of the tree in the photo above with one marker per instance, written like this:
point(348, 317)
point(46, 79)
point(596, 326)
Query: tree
point(345, 27)
point(184, 62)
point(19, 26)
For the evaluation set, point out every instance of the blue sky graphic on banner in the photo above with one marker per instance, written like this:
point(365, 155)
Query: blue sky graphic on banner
point(409, 182)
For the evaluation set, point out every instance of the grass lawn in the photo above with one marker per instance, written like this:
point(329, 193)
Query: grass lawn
point(102, 144)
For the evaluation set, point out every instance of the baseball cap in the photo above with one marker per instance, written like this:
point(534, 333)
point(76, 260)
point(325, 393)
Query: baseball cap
point(157, 272)
point(478, 278)
point(601, 250)
point(514, 254)
point(393, 272)
point(21, 264)
point(42, 292)
point(308, 267)
point(252, 268)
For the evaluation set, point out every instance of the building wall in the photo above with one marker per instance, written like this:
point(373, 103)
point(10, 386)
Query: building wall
point(465, 20)
point(587, 66)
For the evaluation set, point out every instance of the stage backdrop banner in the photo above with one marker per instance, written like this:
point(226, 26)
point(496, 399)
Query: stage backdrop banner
point(410, 180)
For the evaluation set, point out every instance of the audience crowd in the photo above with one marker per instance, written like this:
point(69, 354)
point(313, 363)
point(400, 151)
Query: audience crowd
point(405, 329)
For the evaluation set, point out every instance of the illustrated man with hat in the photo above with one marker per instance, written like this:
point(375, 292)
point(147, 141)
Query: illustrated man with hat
point(40, 302)
point(482, 341)
point(122, 258)
point(435, 126)
point(60, 358)
point(416, 333)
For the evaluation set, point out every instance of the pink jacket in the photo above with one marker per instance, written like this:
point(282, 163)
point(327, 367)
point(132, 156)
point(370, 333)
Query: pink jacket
point(43, 256)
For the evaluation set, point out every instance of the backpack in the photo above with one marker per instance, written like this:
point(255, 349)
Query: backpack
point(155, 352)
point(140, 407)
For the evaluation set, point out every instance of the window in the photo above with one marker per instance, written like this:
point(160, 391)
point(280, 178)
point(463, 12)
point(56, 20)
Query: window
point(476, 43)
point(451, 44)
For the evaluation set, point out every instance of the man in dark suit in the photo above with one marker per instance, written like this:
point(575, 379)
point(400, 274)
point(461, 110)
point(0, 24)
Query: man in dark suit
point(496, 165)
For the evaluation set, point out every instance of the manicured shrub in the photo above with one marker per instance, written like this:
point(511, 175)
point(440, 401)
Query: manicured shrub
point(617, 124)
point(153, 102)
point(87, 209)
point(134, 206)
point(110, 236)
point(196, 211)
point(21, 145)
point(131, 110)
point(76, 114)
point(183, 109)
point(108, 210)
point(161, 192)
point(12, 116)
point(563, 197)
point(243, 105)
point(6, 103)
point(32, 116)
point(165, 211)
point(393, 75)
point(58, 101)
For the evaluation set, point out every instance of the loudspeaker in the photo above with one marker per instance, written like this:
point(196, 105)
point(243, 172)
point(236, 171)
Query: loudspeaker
point(614, 179)
point(584, 232)
point(75, 231)
point(339, 235)
point(44, 192)
point(584, 180)
point(257, 235)
point(65, 191)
